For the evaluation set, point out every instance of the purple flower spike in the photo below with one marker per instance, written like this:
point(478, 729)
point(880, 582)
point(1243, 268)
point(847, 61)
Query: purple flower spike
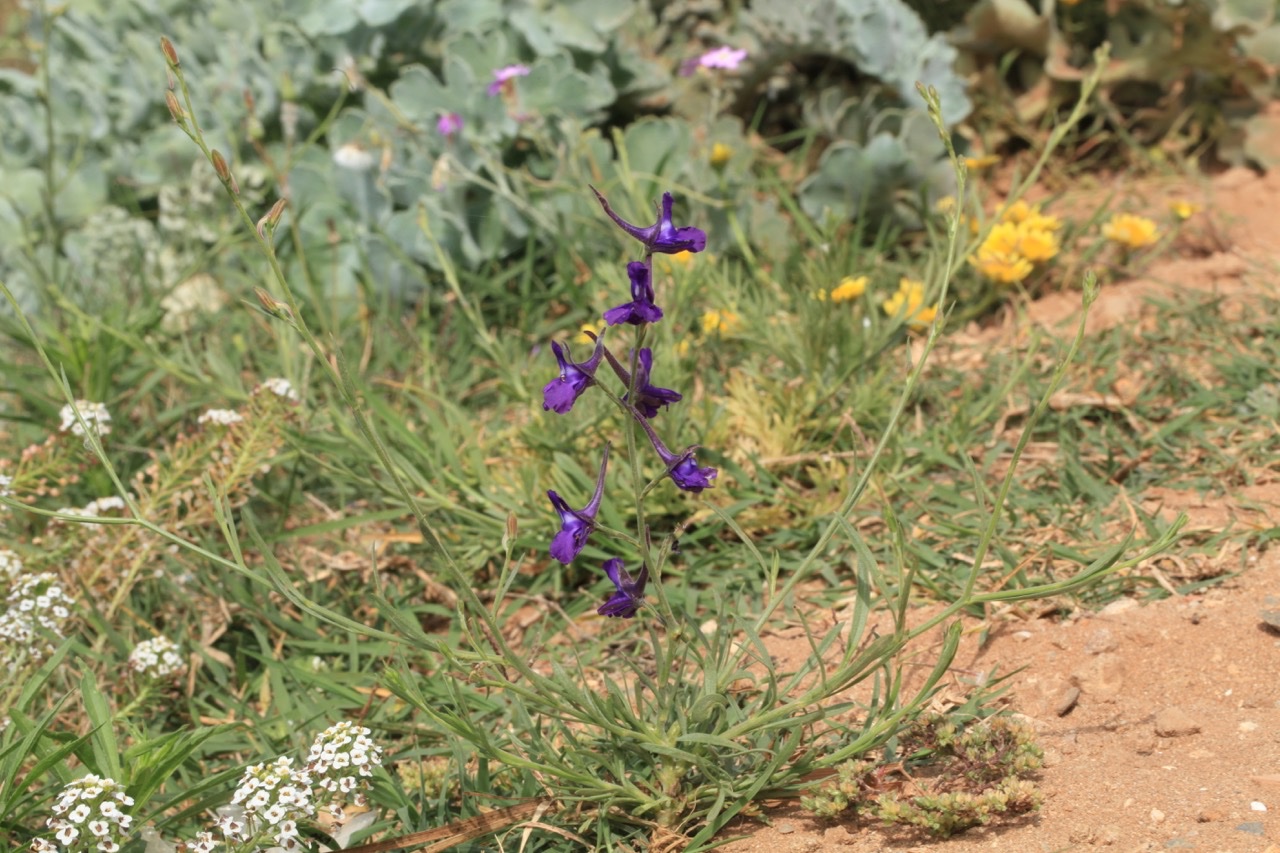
point(649, 397)
point(662, 236)
point(641, 308)
point(448, 125)
point(681, 467)
point(561, 393)
point(502, 75)
point(576, 525)
point(630, 595)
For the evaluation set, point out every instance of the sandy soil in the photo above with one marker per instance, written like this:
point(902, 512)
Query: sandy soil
point(1172, 741)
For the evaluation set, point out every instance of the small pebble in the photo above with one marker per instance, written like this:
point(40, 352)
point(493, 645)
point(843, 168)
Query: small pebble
point(1101, 640)
point(1256, 806)
point(1253, 827)
point(1175, 722)
point(1021, 635)
point(1068, 701)
point(1157, 816)
point(786, 828)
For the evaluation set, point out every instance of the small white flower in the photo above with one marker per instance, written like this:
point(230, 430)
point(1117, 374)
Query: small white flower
point(10, 565)
point(354, 156)
point(157, 658)
point(281, 388)
point(95, 415)
point(5, 482)
point(32, 624)
point(222, 417)
point(96, 508)
point(89, 795)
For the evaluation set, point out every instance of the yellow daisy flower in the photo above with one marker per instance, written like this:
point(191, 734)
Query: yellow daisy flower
point(1130, 231)
point(721, 154)
point(908, 302)
point(974, 164)
point(849, 288)
point(1183, 210)
point(1037, 244)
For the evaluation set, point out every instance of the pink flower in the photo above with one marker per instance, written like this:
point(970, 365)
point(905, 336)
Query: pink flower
point(723, 57)
point(502, 75)
point(449, 124)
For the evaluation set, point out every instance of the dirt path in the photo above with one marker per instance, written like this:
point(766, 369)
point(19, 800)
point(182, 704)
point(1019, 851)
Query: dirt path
point(1173, 741)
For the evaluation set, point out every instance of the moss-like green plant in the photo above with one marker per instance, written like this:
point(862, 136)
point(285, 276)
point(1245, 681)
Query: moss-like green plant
point(950, 778)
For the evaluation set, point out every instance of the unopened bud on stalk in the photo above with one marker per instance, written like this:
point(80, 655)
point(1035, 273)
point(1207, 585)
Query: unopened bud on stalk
point(272, 219)
point(220, 166)
point(271, 305)
point(170, 54)
point(513, 527)
point(175, 108)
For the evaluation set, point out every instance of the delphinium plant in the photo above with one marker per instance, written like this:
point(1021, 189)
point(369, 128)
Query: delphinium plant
point(639, 401)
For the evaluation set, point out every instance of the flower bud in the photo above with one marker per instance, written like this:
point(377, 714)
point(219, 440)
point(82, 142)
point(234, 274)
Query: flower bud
point(170, 55)
point(721, 154)
point(272, 219)
point(271, 305)
point(220, 166)
point(513, 527)
point(175, 108)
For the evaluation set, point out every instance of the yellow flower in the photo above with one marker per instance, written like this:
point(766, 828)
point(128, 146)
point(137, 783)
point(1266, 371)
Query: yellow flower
point(974, 164)
point(1130, 231)
point(849, 288)
point(682, 258)
point(1036, 244)
point(1003, 268)
point(1183, 210)
point(908, 303)
point(724, 322)
point(820, 295)
point(721, 154)
point(583, 337)
point(682, 347)
point(946, 204)
point(1002, 239)
point(1021, 213)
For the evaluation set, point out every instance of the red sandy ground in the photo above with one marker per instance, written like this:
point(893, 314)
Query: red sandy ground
point(1174, 741)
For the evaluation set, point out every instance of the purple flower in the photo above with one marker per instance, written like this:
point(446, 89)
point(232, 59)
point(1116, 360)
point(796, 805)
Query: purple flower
point(449, 124)
point(576, 525)
point(662, 236)
point(723, 57)
point(641, 308)
point(681, 467)
point(561, 393)
point(649, 397)
point(630, 595)
point(502, 75)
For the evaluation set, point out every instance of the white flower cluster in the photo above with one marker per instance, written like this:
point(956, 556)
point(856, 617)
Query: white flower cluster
point(93, 508)
point(273, 798)
point(280, 387)
point(5, 482)
point(341, 758)
point(221, 417)
point(37, 606)
point(94, 414)
point(88, 817)
point(157, 658)
point(10, 566)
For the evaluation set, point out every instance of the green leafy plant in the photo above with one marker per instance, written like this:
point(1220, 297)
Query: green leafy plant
point(947, 777)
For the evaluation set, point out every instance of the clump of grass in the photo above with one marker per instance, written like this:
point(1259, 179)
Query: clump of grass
point(951, 777)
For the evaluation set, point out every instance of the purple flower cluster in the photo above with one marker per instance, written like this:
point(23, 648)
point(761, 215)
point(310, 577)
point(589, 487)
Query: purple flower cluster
point(642, 400)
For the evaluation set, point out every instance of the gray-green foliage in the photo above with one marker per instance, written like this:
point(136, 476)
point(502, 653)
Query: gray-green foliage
point(882, 144)
point(288, 88)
